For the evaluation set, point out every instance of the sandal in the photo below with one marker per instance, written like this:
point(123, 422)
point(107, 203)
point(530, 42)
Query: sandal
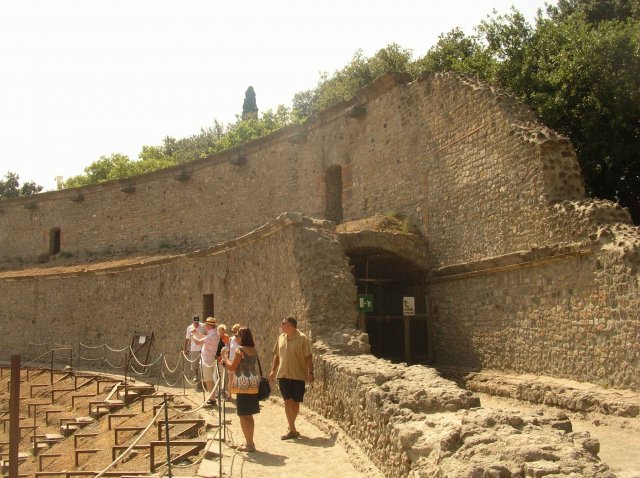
point(246, 448)
point(290, 435)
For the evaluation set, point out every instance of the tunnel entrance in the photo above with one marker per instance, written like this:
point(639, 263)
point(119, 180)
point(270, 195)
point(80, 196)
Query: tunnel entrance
point(388, 281)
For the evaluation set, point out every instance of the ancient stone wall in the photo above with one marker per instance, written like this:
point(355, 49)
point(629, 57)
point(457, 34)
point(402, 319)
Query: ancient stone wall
point(411, 422)
point(408, 420)
point(567, 312)
point(528, 275)
point(467, 164)
point(256, 280)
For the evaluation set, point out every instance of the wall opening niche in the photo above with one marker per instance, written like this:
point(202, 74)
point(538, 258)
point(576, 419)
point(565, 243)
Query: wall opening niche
point(54, 241)
point(207, 306)
point(333, 194)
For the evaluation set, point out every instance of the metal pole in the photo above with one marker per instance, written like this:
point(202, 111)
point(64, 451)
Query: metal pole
point(166, 432)
point(224, 404)
point(220, 407)
point(184, 386)
point(51, 371)
point(126, 370)
point(14, 416)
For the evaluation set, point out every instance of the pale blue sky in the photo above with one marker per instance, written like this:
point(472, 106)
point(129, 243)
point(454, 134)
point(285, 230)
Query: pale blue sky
point(84, 78)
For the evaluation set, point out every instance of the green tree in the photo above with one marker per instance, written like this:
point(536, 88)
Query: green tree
point(245, 130)
point(10, 187)
point(580, 73)
point(595, 11)
point(107, 168)
point(210, 140)
point(455, 51)
point(249, 105)
point(346, 82)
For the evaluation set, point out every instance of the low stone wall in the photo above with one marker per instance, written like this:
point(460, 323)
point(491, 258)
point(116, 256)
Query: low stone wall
point(565, 394)
point(413, 423)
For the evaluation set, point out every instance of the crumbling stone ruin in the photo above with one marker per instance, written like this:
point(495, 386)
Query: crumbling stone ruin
point(444, 190)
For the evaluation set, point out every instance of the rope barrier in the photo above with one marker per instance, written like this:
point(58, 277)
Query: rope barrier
point(89, 359)
point(166, 382)
point(163, 372)
point(188, 359)
point(135, 371)
point(135, 442)
point(114, 366)
point(189, 381)
point(203, 404)
point(133, 354)
point(91, 347)
point(167, 366)
point(95, 347)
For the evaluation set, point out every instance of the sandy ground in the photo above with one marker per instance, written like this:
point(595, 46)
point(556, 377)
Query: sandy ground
point(320, 451)
point(323, 450)
point(619, 437)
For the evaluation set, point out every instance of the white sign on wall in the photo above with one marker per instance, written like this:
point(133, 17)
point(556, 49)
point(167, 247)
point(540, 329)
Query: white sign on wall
point(408, 306)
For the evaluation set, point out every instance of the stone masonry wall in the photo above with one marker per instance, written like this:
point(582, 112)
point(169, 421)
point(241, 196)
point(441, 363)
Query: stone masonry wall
point(254, 280)
point(466, 163)
point(408, 420)
point(412, 423)
point(469, 166)
point(573, 314)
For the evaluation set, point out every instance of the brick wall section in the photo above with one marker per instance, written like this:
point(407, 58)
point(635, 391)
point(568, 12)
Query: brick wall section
point(108, 306)
point(561, 319)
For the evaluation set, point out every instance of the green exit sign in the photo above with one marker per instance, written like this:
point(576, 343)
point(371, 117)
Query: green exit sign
point(365, 303)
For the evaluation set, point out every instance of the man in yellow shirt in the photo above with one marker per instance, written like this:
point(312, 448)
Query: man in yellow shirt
point(292, 366)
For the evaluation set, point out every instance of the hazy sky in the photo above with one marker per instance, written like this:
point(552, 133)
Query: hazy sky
point(84, 78)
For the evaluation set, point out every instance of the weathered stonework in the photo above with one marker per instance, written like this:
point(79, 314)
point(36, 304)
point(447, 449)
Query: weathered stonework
point(522, 273)
point(408, 420)
point(413, 423)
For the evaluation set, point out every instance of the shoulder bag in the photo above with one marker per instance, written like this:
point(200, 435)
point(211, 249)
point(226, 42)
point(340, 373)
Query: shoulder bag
point(264, 389)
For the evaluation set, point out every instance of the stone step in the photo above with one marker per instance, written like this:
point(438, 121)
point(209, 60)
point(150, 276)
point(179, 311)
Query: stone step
point(70, 426)
point(38, 447)
point(69, 429)
point(22, 456)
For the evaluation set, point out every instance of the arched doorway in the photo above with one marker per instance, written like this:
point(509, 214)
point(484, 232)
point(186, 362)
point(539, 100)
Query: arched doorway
point(392, 283)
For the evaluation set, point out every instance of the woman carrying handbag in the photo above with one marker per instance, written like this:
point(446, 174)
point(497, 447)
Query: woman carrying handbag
point(245, 383)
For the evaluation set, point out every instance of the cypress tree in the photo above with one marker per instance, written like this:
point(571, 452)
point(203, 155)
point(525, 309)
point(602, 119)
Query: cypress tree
point(249, 106)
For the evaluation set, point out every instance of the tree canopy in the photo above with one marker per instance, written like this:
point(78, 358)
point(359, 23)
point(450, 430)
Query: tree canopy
point(173, 151)
point(579, 69)
point(10, 187)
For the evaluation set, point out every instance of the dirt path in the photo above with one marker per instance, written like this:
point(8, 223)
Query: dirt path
point(321, 450)
point(619, 437)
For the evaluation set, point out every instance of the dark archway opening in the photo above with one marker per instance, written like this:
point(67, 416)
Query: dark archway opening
point(388, 279)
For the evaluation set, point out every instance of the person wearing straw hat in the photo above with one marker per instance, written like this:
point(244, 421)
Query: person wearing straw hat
point(209, 343)
point(192, 349)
